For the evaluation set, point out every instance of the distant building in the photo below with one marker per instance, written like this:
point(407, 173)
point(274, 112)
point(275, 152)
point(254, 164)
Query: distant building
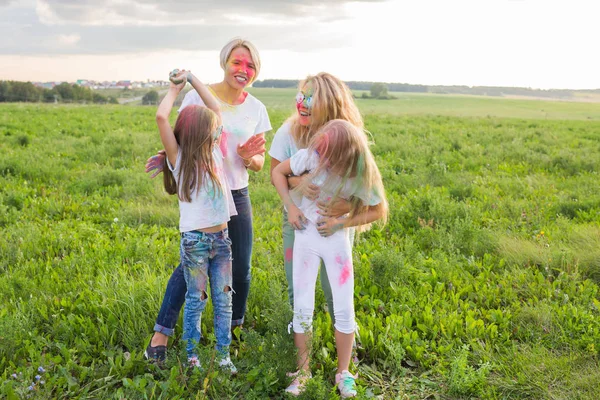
point(44, 85)
point(124, 84)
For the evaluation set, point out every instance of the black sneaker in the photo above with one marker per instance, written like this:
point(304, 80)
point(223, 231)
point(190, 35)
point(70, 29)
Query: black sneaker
point(156, 354)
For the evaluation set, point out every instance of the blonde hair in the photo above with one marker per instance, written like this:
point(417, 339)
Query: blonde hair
point(332, 99)
point(239, 42)
point(194, 134)
point(344, 152)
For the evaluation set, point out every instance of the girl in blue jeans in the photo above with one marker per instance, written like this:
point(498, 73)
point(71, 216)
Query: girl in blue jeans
point(245, 120)
point(195, 173)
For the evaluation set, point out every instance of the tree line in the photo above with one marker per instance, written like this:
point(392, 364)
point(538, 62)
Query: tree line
point(15, 91)
point(382, 87)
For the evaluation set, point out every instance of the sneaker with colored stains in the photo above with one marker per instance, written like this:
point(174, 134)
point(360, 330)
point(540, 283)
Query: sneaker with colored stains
point(156, 354)
point(226, 365)
point(346, 384)
point(299, 383)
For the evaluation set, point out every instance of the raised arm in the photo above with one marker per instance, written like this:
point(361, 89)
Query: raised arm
point(162, 119)
point(205, 94)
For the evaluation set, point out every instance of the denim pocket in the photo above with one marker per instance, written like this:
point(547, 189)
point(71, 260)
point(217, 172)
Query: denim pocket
point(194, 249)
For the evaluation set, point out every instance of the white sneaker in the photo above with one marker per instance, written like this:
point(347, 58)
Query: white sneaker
point(226, 365)
point(346, 384)
point(299, 382)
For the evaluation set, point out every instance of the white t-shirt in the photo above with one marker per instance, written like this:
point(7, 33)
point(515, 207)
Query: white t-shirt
point(240, 122)
point(282, 148)
point(302, 162)
point(209, 206)
point(283, 145)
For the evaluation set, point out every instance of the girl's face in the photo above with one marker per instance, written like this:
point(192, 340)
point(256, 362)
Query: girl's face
point(240, 70)
point(304, 103)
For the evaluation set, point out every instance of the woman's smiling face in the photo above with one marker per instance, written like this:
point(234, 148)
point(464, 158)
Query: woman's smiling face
point(240, 70)
point(304, 102)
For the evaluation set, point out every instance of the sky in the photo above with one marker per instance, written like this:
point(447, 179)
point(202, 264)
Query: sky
point(527, 43)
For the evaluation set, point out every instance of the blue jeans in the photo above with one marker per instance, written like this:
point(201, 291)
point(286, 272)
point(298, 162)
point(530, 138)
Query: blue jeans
point(240, 233)
point(206, 257)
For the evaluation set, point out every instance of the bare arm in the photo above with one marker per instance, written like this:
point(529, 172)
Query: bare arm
point(205, 94)
point(335, 209)
point(311, 191)
point(162, 120)
point(331, 225)
point(279, 178)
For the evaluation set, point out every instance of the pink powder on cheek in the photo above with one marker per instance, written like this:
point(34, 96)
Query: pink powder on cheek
point(289, 253)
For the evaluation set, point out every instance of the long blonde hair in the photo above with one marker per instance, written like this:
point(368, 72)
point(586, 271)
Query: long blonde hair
point(194, 134)
point(332, 99)
point(344, 152)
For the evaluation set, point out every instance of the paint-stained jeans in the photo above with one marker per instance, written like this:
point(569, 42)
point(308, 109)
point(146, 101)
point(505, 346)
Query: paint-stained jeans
point(206, 257)
point(240, 233)
point(336, 252)
point(288, 251)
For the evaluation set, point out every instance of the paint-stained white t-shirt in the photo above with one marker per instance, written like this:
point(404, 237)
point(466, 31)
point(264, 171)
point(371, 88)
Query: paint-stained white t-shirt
point(306, 161)
point(209, 206)
point(240, 122)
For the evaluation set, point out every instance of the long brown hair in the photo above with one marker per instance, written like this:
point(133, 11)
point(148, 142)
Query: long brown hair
point(344, 153)
point(194, 134)
point(332, 99)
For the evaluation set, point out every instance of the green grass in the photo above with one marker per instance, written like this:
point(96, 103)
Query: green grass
point(484, 283)
point(450, 105)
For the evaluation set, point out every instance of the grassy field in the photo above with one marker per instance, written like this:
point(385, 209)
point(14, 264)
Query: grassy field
point(484, 283)
point(456, 106)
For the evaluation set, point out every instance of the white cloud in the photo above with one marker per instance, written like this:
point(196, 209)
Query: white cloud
point(69, 40)
point(537, 43)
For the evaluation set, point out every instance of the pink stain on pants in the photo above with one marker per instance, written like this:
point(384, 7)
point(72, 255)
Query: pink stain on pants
point(346, 269)
point(289, 254)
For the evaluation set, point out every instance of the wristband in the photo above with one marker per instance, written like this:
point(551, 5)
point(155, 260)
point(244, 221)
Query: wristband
point(249, 163)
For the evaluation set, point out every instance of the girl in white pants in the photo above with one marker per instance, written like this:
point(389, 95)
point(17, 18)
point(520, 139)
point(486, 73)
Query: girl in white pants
point(339, 161)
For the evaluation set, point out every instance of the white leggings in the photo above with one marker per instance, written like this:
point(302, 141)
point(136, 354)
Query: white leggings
point(336, 253)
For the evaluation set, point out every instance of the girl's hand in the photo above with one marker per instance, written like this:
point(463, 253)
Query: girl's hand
point(253, 146)
point(155, 163)
point(334, 209)
point(329, 226)
point(310, 191)
point(296, 218)
point(178, 79)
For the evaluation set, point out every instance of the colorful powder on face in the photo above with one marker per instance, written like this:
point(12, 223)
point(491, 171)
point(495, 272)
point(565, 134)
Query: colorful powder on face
point(240, 62)
point(289, 254)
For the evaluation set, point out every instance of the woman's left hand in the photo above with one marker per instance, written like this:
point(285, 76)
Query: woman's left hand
point(334, 209)
point(329, 226)
point(253, 146)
